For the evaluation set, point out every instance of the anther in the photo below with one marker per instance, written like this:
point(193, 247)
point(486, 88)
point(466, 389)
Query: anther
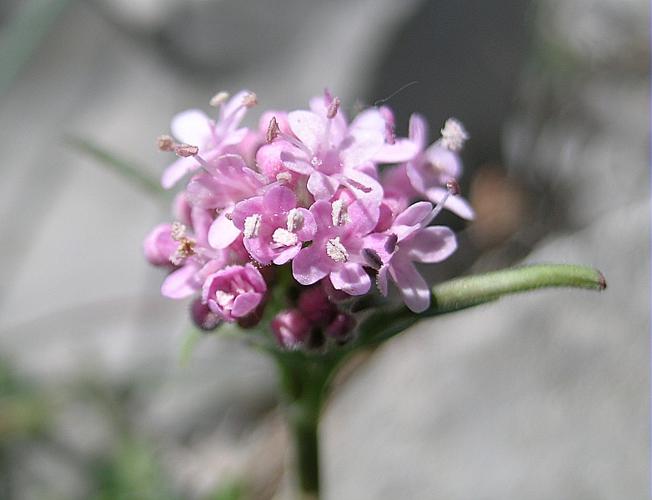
point(178, 231)
point(185, 150)
point(284, 237)
point(339, 213)
point(218, 99)
point(166, 143)
point(453, 187)
point(252, 226)
point(453, 135)
point(372, 258)
point(336, 251)
point(390, 244)
point(250, 100)
point(273, 130)
point(333, 107)
point(295, 220)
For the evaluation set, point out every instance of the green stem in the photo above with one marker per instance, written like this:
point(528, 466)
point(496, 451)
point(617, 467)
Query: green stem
point(304, 382)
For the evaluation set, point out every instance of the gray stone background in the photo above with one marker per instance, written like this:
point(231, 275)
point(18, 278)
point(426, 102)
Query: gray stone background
point(535, 397)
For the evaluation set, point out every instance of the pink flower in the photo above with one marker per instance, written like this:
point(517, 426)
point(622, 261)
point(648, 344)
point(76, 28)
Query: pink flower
point(213, 138)
point(336, 247)
point(332, 153)
point(291, 329)
point(433, 167)
point(406, 242)
point(234, 292)
point(274, 228)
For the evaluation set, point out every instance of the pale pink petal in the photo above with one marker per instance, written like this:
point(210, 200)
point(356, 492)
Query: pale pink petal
point(363, 185)
point(246, 208)
point(365, 145)
point(255, 278)
point(402, 150)
point(455, 204)
point(245, 303)
point(279, 199)
point(321, 186)
point(418, 130)
point(310, 265)
point(192, 127)
point(294, 159)
point(180, 284)
point(444, 160)
point(235, 137)
point(411, 284)
point(417, 177)
point(363, 214)
point(287, 255)
point(222, 232)
point(309, 127)
point(322, 212)
point(414, 214)
point(351, 278)
point(260, 250)
point(308, 227)
point(177, 170)
point(431, 244)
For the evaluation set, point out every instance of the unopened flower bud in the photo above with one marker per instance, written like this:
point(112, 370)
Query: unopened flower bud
point(315, 306)
point(203, 317)
point(290, 328)
point(159, 245)
point(341, 327)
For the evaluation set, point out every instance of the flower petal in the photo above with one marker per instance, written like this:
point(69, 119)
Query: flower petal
point(180, 283)
point(175, 172)
point(432, 244)
point(411, 284)
point(456, 204)
point(351, 278)
point(321, 186)
point(279, 199)
point(402, 150)
point(310, 265)
point(245, 303)
point(222, 232)
point(309, 127)
point(418, 130)
point(192, 127)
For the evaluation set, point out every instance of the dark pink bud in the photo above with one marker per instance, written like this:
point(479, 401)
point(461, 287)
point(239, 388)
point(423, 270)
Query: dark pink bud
point(203, 317)
point(159, 245)
point(341, 327)
point(291, 329)
point(315, 306)
point(334, 295)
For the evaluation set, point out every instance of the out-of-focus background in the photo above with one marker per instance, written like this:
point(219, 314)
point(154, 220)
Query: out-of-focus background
point(538, 397)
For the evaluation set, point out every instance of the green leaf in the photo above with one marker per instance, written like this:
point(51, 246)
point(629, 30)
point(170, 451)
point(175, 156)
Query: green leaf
point(469, 291)
point(132, 173)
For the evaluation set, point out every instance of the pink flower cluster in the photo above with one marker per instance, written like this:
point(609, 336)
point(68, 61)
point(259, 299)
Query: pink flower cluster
point(304, 191)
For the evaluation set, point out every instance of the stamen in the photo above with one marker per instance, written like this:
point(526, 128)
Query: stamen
point(224, 298)
point(284, 177)
point(333, 107)
point(219, 98)
point(336, 251)
point(452, 188)
point(453, 135)
point(186, 245)
point(252, 226)
point(186, 150)
point(273, 130)
point(390, 244)
point(250, 100)
point(166, 143)
point(178, 231)
point(284, 237)
point(295, 220)
point(372, 258)
point(339, 213)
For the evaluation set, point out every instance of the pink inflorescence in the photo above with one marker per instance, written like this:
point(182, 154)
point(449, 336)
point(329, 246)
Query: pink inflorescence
point(303, 195)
